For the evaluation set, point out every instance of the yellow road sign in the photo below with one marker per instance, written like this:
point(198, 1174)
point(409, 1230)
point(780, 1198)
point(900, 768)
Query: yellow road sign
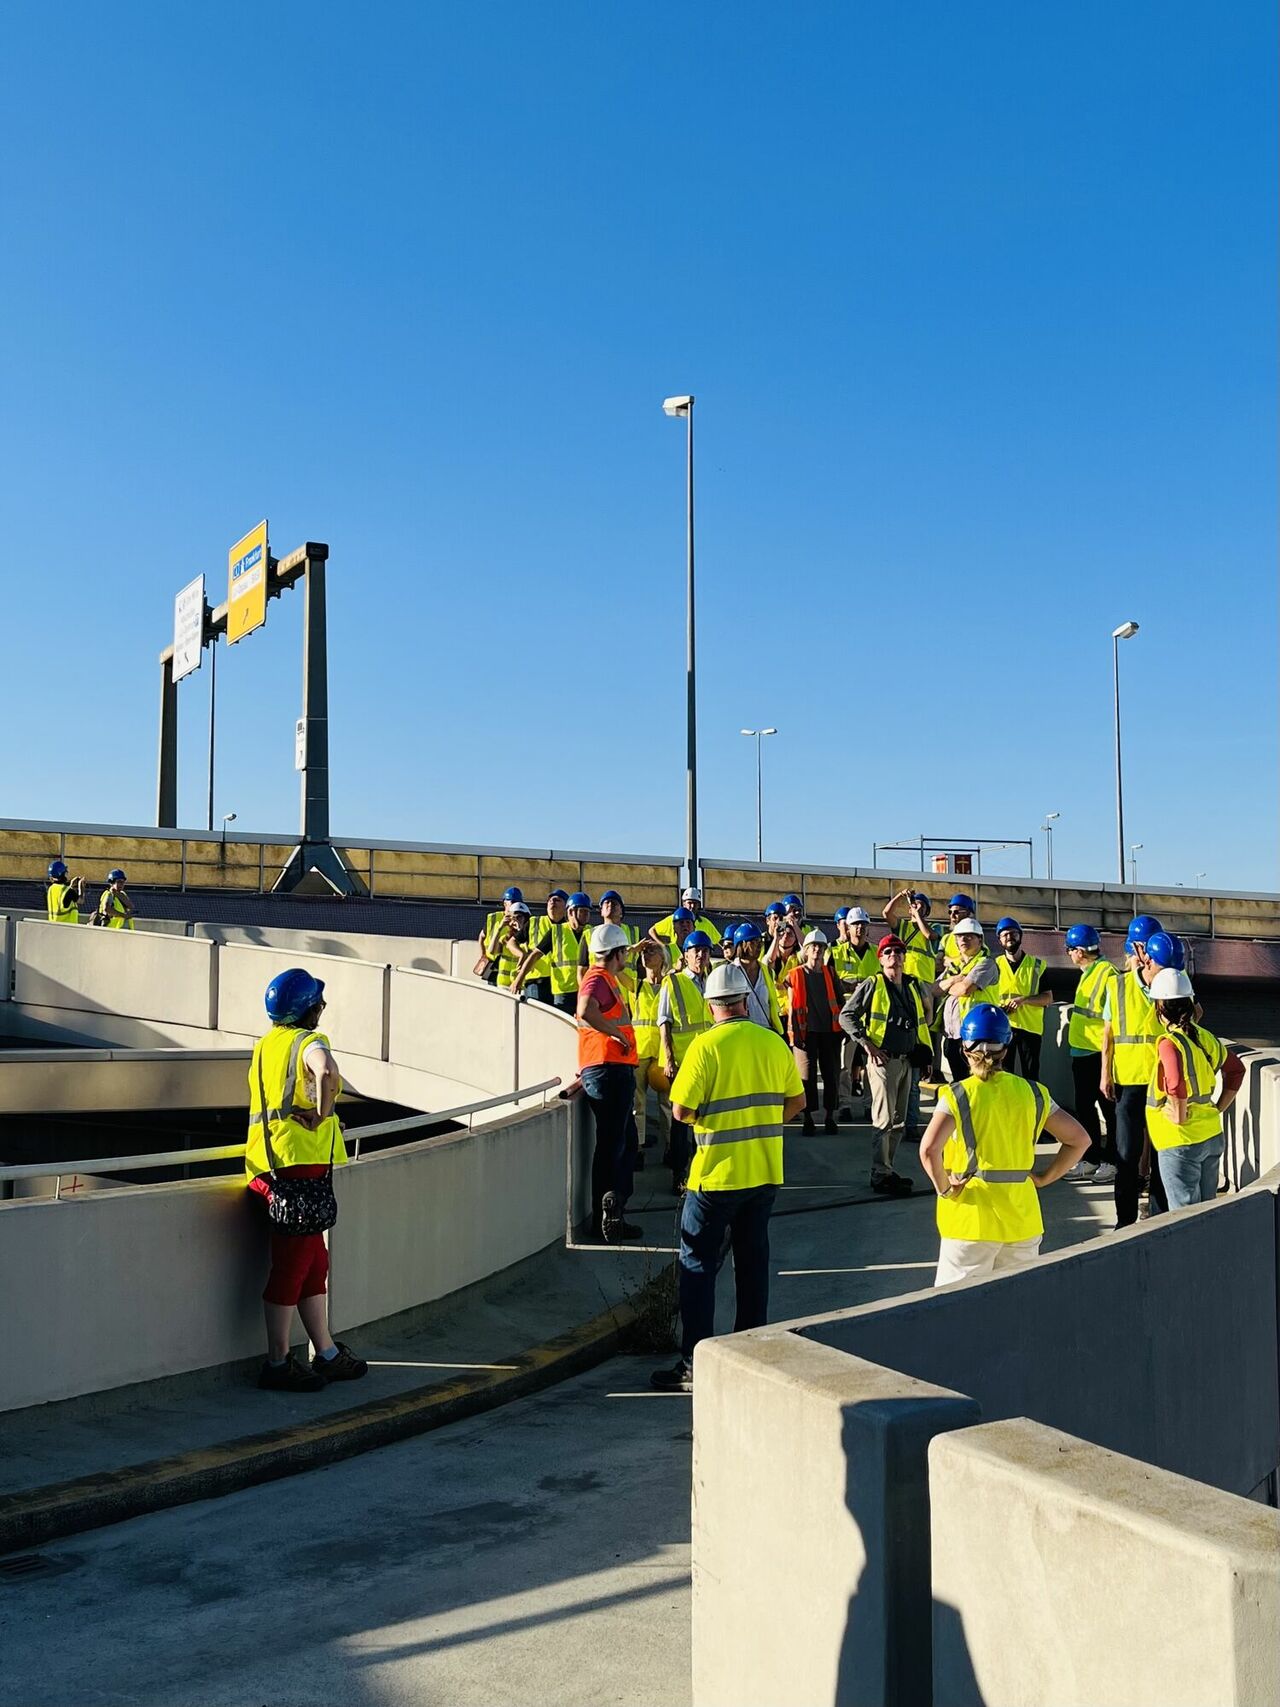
point(247, 565)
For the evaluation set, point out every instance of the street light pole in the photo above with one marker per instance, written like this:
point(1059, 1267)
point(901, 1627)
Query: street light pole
point(1134, 851)
point(676, 407)
point(1126, 631)
point(759, 733)
point(1047, 827)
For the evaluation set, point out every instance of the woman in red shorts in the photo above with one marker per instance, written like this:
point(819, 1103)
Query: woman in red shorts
point(293, 1085)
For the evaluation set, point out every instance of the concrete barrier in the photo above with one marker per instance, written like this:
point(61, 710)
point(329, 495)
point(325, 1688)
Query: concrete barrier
point(357, 994)
point(810, 1525)
point(6, 957)
point(1252, 1122)
point(471, 1027)
point(148, 977)
point(55, 1081)
point(425, 954)
point(1064, 1574)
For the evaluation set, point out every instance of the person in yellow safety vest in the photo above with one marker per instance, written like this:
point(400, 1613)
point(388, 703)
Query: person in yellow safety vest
point(737, 1087)
point(64, 895)
point(115, 909)
point(535, 974)
point(852, 958)
point(888, 1016)
point(1184, 1106)
point(613, 912)
point(1084, 1038)
point(295, 1134)
point(907, 916)
point(1130, 1032)
point(782, 958)
point(681, 922)
point(665, 930)
point(682, 1014)
point(971, 981)
point(513, 946)
point(650, 1075)
point(763, 1007)
point(980, 1151)
point(489, 933)
point(1021, 998)
point(959, 908)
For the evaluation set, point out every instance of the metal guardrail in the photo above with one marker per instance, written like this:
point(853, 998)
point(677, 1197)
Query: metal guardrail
point(233, 1152)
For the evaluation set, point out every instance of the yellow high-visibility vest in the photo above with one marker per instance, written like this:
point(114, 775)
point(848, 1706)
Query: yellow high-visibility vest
point(276, 1071)
point(60, 902)
point(565, 952)
point(665, 931)
point(878, 1015)
point(1202, 1057)
point(541, 967)
point(510, 954)
point(990, 993)
point(111, 911)
point(1135, 1031)
point(769, 998)
point(644, 1020)
point(629, 978)
point(994, 1143)
point(689, 1012)
point(853, 964)
point(1022, 980)
point(492, 924)
point(736, 1078)
point(1085, 1028)
point(920, 960)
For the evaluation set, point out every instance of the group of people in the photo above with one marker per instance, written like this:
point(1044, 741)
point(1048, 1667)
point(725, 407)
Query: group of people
point(65, 899)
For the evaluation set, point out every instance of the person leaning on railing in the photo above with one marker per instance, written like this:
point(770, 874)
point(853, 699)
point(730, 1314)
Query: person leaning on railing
point(294, 1134)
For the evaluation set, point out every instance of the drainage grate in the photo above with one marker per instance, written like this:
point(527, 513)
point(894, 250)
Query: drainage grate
point(17, 1567)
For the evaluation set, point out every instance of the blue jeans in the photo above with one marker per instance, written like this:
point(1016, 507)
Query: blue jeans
point(704, 1220)
point(611, 1093)
point(1190, 1172)
point(566, 1004)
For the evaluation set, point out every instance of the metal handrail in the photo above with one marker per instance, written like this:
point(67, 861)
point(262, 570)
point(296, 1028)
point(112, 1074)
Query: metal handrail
point(232, 1152)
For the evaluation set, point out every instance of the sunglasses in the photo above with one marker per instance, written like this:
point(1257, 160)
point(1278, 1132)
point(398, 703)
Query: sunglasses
point(989, 1053)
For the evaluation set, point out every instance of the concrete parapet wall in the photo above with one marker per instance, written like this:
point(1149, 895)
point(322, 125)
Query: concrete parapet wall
point(149, 977)
point(1252, 1122)
point(472, 1029)
point(1066, 1574)
point(810, 1525)
point(356, 991)
point(426, 954)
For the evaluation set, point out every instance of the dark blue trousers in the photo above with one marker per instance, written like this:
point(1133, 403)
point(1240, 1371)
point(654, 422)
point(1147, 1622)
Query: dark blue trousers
point(611, 1093)
point(704, 1221)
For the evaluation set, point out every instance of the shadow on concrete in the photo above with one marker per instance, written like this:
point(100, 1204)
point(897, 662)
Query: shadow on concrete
point(953, 1663)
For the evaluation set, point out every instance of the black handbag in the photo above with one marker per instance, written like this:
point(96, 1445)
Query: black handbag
point(297, 1206)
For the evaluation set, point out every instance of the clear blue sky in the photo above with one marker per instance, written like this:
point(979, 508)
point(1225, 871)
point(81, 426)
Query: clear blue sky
point(978, 304)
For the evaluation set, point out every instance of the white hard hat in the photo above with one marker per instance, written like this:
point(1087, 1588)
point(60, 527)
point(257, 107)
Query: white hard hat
point(857, 916)
point(519, 907)
point(605, 938)
point(1169, 985)
point(726, 983)
point(691, 894)
point(967, 927)
point(815, 936)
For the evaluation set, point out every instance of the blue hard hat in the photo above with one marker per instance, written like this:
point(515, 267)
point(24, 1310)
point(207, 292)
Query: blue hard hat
point(841, 913)
point(791, 901)
point(920, 896)
point(57, 868)
point(961, 901)
point(116, 876)
point(1167, 951)
point(746, 933)
point(1009, 925)
point(558, 895)
point(513, 894)
point(291, 993)
point(1083, 936)
point(579, 899)
point(612, 895)
point(1140, 928)
point(682, 913)
point(773, 909)
point(697, 939)
point(986, 1024)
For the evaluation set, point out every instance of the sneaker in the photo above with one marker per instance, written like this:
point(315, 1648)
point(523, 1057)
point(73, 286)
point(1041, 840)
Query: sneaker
point(677, 1380)
point(809, 1128)
point(898, 1186)
point(344, 1367)
point(883, 1183)
point(1082, 1170)
point(830, 1124)
point(288, 1377)
point(1105, 1174)
point(618, 1232)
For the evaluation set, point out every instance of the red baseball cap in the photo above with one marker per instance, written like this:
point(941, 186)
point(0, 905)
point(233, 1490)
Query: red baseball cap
point(891, 941)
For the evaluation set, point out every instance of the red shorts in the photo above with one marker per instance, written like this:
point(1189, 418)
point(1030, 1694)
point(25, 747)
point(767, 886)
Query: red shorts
point(299, 1261)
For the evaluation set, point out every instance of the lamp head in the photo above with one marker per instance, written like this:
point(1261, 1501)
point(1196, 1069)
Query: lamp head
point(1126, 631)
point(228, 817)
point(677, 405)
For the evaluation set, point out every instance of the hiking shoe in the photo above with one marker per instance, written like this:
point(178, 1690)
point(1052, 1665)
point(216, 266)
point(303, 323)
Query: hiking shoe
point(1105, 1174)
point(809, 1128)
point(1082, 1170)
point(884, 1184)
point(898, 1186)
point(344, 1367)
point(830, 1124)
point(677, 1380)
point(617, 1232)
point(288, 1377)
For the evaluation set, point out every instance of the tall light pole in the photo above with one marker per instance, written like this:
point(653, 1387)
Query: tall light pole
point(1134, 851)
point(1126, 631)
point(759, 734)
point(683, 406)
point(1200, 874)
point(1047, 827)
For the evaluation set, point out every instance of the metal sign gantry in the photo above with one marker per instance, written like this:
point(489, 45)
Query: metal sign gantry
point(314, 852)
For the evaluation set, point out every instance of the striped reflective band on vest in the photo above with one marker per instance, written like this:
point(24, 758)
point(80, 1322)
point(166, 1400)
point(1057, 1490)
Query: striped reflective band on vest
point(734, 1105)
point(682, 1021)
point(287, 1108)
point(992, 1176)
point(1088, 997)
point(1201, 1080)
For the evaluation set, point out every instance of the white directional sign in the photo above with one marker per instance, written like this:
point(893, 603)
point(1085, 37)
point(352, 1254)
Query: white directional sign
point(188, 628)
point(300, 744)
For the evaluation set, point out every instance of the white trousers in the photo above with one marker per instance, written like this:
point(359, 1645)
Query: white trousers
point(962, 1259)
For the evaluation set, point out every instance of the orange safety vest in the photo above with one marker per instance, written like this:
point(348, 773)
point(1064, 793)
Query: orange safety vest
point(798, 990)
point(597, 1050)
